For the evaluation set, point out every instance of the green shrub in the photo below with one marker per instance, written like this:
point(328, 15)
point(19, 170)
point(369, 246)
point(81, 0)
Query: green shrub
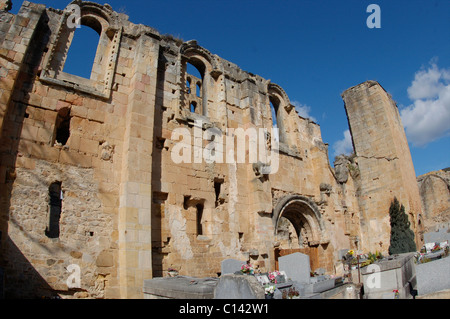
point(402, 237)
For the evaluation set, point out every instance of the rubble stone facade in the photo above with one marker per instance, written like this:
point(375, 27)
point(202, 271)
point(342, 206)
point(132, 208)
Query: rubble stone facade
point(87, 176)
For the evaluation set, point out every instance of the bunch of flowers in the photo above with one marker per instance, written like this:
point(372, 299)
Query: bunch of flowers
point(247, 269)
point(172, 272)
point(436, 247)
point(269, 290)
point(273, 276)
point(396, 294)
point(349, 257)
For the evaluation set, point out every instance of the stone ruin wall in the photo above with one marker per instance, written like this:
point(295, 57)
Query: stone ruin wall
point(385, 165)
point(129, 212)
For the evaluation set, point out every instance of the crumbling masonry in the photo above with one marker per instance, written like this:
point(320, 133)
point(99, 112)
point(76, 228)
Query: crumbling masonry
point(87, 178)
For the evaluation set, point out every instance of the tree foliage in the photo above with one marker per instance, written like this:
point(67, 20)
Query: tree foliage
point(402, 237)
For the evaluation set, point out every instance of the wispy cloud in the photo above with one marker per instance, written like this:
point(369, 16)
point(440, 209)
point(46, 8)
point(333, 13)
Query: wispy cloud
point(343, 146)
point(303, 110)
point(428, 118)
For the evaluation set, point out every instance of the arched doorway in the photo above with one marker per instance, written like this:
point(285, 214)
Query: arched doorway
point(298, 228)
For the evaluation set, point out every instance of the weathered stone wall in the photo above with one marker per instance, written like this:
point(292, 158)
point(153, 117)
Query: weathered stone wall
point(435, 193)
point(87, 236)
point(384, 162)
point(129, 211)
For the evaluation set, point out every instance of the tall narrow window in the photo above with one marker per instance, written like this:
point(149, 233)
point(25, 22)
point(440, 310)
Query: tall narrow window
point(62, 127)
point(55, 204)
point(193, 107)
point(274, 112)
point(199, 89)
point(82, 51)
point(199, 219)
point(218, 189)
point(188, 85)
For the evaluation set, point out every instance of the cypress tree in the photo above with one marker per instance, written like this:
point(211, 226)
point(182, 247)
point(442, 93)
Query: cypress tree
point(402, 237)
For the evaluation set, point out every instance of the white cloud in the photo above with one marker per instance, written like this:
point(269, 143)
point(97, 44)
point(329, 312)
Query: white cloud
point(428, 118)
point(303, 110)
point(344, 146)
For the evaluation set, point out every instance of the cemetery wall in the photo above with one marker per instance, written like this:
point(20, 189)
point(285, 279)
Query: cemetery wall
point(87, 176)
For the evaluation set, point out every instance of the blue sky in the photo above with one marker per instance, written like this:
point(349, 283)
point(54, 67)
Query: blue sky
point(317, 49)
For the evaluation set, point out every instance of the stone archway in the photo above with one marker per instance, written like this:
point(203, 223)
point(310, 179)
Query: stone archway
point(304, 214)
point(305, 218)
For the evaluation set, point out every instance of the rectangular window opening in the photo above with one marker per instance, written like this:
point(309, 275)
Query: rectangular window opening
point(55, 205)
point(218, 189)
point(62, 127)
point(199, 219)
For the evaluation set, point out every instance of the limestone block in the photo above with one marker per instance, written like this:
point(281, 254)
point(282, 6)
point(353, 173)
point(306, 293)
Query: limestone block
point(29, 132)
point(88, 146)
point(76, 159)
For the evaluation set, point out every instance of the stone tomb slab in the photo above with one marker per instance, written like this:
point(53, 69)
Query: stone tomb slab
point(232, 286)
point(180, 287)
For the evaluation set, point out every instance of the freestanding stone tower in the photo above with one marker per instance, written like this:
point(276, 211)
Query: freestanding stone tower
point(384, 159)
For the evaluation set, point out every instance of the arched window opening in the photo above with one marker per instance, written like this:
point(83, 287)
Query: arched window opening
point(83, 49)
point(195, 89)
point(55, 205)
point(62, 127)
point(194, 71)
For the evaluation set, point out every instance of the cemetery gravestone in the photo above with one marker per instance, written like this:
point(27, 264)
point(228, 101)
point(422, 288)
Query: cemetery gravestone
point(280, 279)
point(342, 253)
point(296, 266)
point(230, 266)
